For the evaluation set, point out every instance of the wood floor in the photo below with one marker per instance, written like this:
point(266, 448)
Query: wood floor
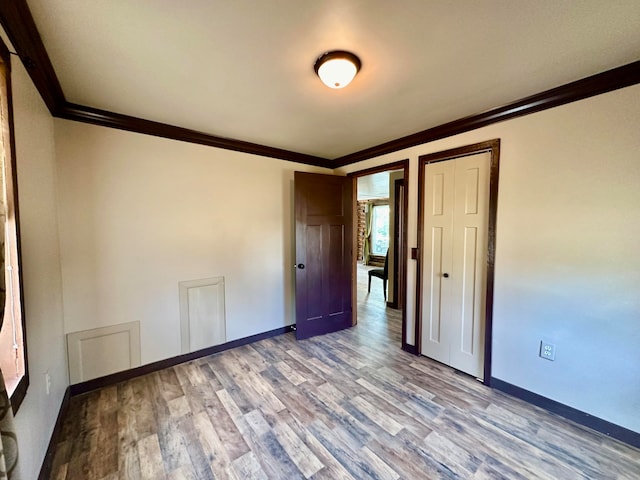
point(349, 405)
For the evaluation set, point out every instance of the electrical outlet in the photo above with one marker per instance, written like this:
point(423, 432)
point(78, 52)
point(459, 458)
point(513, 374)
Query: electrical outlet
point(47, 382)
point(547, 350)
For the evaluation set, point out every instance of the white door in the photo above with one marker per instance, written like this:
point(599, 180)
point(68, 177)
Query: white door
point(454, 261)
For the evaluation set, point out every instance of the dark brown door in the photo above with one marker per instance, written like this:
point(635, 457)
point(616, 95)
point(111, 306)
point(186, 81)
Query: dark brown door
point(324, 230)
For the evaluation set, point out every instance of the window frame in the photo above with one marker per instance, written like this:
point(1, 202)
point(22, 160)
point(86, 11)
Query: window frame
point(7, 130)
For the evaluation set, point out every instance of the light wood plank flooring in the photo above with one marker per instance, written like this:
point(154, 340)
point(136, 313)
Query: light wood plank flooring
point(349, 405)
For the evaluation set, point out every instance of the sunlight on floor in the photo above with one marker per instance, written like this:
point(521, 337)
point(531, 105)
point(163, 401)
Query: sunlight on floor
point(373, 314)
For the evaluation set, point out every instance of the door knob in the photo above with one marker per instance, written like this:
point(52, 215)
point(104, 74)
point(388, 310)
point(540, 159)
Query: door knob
point(445, 275)
point(300, 266)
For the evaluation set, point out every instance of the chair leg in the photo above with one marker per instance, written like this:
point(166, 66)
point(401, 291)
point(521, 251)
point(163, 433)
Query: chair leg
point(384, 289)
point(369, 289)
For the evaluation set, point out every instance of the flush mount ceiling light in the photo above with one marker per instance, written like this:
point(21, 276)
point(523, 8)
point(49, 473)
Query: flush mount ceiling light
point(336, 69)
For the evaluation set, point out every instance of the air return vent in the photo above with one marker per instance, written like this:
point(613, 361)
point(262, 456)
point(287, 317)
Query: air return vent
point(202, 316)
point(102, 351)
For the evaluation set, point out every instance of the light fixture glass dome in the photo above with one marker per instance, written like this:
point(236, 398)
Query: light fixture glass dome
point(337, 69)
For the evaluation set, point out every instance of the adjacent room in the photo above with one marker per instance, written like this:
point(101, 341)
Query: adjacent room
point(223, 259)
point(379, 244)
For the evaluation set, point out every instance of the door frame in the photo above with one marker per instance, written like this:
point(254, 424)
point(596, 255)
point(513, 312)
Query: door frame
point(493, 147)
point(402, 266)
point(398, 252)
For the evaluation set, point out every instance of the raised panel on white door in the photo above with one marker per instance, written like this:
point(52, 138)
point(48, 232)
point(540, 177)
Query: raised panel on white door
point(433, 307)
point(471, 178)
point(436, 260)
point(437, 192)
point(468, 315)
point(469, 268)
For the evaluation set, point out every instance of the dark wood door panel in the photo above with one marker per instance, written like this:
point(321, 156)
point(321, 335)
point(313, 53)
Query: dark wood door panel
point(323, 253)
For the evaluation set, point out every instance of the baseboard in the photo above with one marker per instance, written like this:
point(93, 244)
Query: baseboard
point(47, 463)
point(410, 348)
point(112, 379)
point(610, 429)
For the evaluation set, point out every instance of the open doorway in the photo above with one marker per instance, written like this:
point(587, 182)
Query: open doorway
point(380, 251)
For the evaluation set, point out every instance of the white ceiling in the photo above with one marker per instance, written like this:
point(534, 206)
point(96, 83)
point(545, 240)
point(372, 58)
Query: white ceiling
point(243, 69)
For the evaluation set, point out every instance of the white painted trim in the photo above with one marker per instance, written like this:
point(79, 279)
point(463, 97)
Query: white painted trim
point(185, 322)
point(79, 359)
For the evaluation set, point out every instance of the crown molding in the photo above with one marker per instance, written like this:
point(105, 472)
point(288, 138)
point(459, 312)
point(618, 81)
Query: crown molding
point(18, 22)
point(608, 81)
point(81, 113)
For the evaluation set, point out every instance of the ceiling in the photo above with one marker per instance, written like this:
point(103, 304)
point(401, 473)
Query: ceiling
point(243, 69)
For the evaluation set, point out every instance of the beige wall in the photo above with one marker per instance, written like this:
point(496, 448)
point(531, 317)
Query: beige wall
point(138, 214)
point(36, 172)
point(566, 264)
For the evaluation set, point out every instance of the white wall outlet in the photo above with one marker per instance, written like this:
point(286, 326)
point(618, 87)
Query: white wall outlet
point(547, 350)
point(47, 382)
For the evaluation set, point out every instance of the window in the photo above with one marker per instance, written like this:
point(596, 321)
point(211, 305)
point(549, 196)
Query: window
point(380, 230)
point(13, 359)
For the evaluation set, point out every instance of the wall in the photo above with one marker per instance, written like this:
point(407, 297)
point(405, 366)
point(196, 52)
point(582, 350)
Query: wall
point(36, 171)
point(138, 214)
point(566, 264)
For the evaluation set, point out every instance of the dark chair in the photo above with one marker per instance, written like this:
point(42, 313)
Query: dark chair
point(381, 273)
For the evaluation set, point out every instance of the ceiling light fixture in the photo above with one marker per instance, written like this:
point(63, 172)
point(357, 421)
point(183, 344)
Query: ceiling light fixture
point(337, 68)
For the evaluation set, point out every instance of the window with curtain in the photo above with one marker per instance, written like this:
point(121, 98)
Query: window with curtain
point(12, 355)
point(13, 359)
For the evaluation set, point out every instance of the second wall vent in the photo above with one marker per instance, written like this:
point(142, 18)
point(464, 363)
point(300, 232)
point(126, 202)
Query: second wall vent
point(202, 314)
